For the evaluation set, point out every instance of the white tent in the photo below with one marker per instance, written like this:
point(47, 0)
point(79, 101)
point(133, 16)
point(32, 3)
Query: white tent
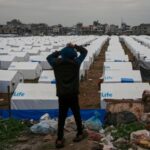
point(122, 91)
point(47, 77)
point(123, 76)
point(37, 96)
point(136, 48)
point(42, 61)
point(32, 51)
point(117, 58)
point(4, 52)
point(117, 66)
point(29, 70)
point(9, 79)
point(20, 56)
point(110, 53)
point(6, 60)
point(45, 54)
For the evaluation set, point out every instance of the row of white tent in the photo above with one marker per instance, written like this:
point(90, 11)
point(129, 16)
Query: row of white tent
point(138, 50)
point(31, 70)
point(115, 52)
point(120, 81)
point(30, 44)
point(93, 50)
point(144, 40)
point(41, 95)
point(35, 49)
point(23, 97)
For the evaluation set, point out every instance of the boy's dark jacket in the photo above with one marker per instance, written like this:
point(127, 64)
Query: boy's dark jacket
point(66, 69)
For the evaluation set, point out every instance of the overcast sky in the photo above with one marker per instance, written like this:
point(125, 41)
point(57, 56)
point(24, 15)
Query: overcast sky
point(69, 12)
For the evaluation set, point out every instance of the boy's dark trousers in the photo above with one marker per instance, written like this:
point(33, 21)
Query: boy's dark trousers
point(66, 102)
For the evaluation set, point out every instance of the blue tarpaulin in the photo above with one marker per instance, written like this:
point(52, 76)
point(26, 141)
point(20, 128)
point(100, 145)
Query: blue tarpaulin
point(36, 114)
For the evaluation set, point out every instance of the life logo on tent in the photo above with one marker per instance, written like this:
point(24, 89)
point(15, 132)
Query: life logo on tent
point(106, 95)
point(19, 94)
point(107, 67)
point(108, 78)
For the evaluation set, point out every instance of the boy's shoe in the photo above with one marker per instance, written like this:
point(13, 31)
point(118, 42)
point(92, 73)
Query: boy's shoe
point(59, 143)
point(80, 137)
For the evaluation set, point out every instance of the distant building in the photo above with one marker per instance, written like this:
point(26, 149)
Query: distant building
point(99, 29)
point(113, 29)
point(142, 29)
point(86, 30)
point(17, 28)
point(145, 29)
point(136, 30)
point(39, 29)
point(124, 27)
point(4, 29)
point(106, 28)
point(57, 29)
point(79, 28)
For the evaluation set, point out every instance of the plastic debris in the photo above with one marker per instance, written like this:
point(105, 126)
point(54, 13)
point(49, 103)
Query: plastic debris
point(45, 126)
point(94, 122)
point(141, 134)
point(45, 117)
point(94, 136)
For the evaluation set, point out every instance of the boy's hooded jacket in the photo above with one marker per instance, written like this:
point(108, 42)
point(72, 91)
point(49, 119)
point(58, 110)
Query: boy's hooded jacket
point(66, 69)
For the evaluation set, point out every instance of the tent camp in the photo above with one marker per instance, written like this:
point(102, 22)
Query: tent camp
point(123, 76)
point(32, 51)
point(34, 96)
point(47, 77)
point(41, 60)
point(122, 91)
point(20, 56)
point(29, 70)
point(6, 60)
point(117, 66)
point(116, 58)
point(9, 79)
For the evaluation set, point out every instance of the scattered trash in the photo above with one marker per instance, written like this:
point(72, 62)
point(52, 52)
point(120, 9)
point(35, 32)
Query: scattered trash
point(122, 144)
point(70, 124)
point(94, 136)
point(145, 143)
point(45, 126)
point(141, 134)
point(45, 117)
point(94, 122)
point(124, 130)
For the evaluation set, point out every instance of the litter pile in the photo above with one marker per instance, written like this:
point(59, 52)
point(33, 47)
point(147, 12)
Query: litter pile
point(121, 131)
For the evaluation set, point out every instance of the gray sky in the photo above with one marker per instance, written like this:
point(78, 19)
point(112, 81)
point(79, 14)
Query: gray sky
point(69, 12)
